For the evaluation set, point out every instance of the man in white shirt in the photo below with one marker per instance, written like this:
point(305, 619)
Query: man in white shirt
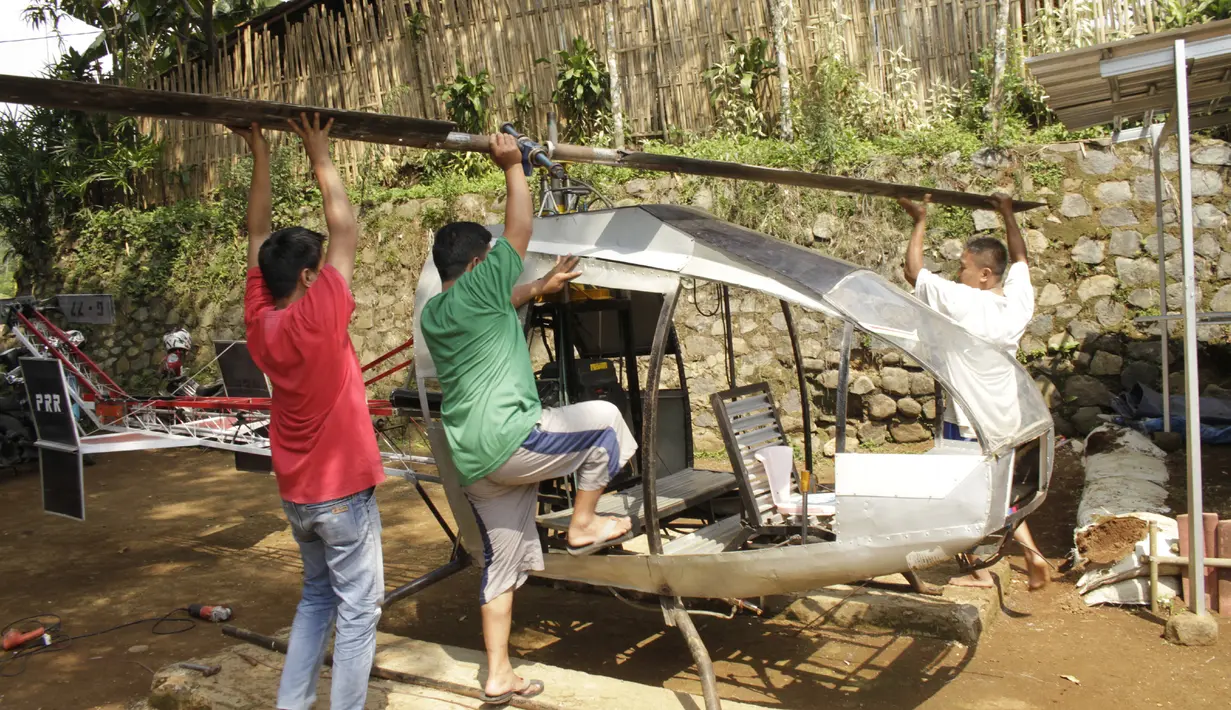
point(994, 299)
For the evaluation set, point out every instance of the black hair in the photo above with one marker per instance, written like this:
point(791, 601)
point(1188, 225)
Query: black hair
point(990, 252)
point(285, 254)
point(456, 245)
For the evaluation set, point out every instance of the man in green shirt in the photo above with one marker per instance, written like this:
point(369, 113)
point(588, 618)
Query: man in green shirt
point(503, 441)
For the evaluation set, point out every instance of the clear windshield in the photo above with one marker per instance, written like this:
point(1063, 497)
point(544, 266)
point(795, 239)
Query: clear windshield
point(993, 388)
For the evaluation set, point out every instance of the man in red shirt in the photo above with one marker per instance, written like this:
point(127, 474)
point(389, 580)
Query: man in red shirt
point(297, 306)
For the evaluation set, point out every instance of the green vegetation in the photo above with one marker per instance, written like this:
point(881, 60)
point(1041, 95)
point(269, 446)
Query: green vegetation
point(189, 250)
point(70, 210)
point(1046, 174)
point(1181, 13)
point(737, 87)
point(145, 37)
point(54, 163)
point(416, 25)
point(466, 100)
point(583, 90)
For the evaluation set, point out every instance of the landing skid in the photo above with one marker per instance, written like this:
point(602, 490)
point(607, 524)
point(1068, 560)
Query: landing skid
point(676, 615)
point(918, 586)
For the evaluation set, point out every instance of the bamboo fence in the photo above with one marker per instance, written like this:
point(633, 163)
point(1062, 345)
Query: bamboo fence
point(370, 57)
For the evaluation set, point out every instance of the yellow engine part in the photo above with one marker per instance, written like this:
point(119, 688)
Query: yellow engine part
point(578, 292)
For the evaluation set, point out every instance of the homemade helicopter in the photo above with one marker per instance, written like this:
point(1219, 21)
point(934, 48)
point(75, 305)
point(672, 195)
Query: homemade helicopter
point(757, 530)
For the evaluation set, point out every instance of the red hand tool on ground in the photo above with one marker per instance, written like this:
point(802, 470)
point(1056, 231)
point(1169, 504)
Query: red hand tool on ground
point(214, 612)
point(14, 638)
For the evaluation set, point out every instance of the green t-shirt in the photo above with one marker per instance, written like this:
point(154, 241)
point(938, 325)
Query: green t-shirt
point(490, 401)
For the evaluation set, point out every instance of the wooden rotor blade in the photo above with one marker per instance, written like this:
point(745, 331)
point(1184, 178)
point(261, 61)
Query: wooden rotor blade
point(110, 98)
point(429, 134)
point(779, 176)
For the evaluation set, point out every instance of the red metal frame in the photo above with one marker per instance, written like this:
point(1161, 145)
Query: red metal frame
point(376, 407)
point(397, 368)
point(388, 355)
point(63, 337)
point(59, 334)
point(386, 373)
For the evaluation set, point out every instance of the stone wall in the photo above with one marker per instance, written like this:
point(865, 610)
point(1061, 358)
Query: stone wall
point(1094, 264)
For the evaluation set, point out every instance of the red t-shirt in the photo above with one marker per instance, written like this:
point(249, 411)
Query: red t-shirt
point(321, 435)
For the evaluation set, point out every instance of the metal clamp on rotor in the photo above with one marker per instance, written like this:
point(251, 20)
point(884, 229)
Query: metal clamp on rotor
point(533, 153)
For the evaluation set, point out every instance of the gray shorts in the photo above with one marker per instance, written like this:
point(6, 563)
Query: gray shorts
point(589, 439)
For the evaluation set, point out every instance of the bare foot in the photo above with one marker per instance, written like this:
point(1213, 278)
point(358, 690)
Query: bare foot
point(1039, 575)
point(978, 580)
point(601, 528)
point(498, 686)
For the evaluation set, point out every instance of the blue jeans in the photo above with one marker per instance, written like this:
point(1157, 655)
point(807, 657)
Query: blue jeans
point(953, 432)
point(343, 579)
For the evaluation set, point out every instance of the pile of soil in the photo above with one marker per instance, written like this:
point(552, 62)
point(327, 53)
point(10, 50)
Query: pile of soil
point(1111, 540)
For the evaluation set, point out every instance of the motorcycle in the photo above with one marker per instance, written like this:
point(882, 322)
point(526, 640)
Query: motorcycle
point(17, 433)
point(177, 345)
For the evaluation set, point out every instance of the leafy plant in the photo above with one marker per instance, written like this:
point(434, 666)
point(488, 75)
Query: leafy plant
point(736, 86)
point(416, 25)
point(1182, 13)
point(523, 105)
point(465, 99)
point(1060, 27)
point(54, 163)
point(1024, 104)
point(1046, 174)
point(147, 37)
point(899, 103)
point(824, 114)
point(583, 90)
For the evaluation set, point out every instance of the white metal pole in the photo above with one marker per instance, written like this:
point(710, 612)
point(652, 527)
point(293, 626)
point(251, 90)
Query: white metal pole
point(1165, 338)
point(1192, 405)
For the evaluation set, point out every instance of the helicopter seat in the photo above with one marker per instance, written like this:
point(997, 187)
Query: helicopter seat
point(779, 465)
point(749, 422)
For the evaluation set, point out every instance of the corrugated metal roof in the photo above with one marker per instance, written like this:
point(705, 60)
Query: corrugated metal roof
point(1082, 97)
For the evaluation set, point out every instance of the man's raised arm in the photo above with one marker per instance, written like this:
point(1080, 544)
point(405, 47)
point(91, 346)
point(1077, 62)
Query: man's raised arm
point(1017, 245)
point(518, 208)
point(914, 250)
point(260, 203)
point(339, 216)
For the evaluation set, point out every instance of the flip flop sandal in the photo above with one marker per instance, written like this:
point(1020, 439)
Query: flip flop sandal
point(533, 688)
point(582, 550)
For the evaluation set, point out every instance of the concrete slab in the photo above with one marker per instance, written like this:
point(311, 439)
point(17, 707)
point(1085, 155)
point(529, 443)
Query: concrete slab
point(249, 681)
point(962, 614)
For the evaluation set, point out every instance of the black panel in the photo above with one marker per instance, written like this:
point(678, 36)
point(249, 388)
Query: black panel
point(63, 489)
point(240, 375)
point(808, 268)
point(596, 331)
point(253, 463)
point(49, 400)
point(674, 432)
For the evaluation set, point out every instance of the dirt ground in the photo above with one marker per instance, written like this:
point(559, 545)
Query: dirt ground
point(167, 529)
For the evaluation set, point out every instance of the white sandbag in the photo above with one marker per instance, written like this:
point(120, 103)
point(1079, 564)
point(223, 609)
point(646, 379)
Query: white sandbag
point(1134, 564)
point(1124, 475)
point(1110, 497)
point(1133, 591)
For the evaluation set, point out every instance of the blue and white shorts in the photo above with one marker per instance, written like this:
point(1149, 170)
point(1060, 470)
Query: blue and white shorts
point(590, 439)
